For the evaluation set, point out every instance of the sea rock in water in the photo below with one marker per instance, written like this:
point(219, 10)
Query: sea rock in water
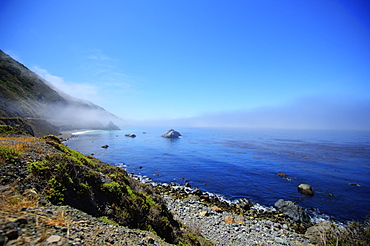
point(305, 189)
point(105, 146)
point(292, 210)
point(171, 134)
point(131, 135)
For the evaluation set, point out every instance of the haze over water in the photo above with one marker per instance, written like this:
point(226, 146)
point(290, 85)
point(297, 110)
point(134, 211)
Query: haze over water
point(242, 162)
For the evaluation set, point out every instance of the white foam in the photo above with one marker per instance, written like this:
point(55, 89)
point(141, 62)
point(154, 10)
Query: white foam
point(84, 132)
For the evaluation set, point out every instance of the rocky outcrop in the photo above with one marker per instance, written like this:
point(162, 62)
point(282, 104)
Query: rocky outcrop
point(112, 126)
point(131, 135)
point(171, 134)
point(305, 189)
point(315, 232)
point(292, 210)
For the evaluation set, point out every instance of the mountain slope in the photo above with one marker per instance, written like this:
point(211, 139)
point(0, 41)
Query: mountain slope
point(26, 95)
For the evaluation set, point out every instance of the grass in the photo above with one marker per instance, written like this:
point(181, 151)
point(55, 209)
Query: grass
point(12, 201)
point(60, 220)
point(8, 154)
point(108, 221)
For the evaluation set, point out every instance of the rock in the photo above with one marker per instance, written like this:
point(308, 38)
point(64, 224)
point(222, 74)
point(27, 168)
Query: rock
point(112, 126)
point(280, 240)
point(283, 175)
point(292, 210)
point(197, 191)
point(105, 146)
point(314, 233)
point(13, 234)
point(305, 189)
point(204, 213)
point(131, 135)
point(245, 204)
point(216, 209)
point(53, 239)
point(229, 220)
point(171, 134)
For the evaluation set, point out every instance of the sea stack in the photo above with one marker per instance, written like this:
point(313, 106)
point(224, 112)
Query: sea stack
point(171, 134)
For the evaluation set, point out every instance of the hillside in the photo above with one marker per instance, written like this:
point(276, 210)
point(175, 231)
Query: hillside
point(46, 171)
point(25, 95)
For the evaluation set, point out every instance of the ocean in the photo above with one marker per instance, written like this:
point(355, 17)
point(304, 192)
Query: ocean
point(244, 163)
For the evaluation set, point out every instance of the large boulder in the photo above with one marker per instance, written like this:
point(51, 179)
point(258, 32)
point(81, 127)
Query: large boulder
point(171, 134)
point(292, 210)
point(305, 189)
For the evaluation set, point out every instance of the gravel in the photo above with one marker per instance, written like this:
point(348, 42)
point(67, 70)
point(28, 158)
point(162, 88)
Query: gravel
point(239, 230)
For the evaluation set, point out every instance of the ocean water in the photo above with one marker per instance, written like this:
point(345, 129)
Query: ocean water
point(239, 162)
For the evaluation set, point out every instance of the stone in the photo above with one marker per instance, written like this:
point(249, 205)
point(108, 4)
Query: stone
point(131, 135)
point(13, 234)
point(305, 189)
point(197, 191)
point(53, 239)
point(204, 214)
point(216, 209)
point(105, 146)
point(245, 204)
point(283, 175)
point(315, 232)
point(292, 210)
point(280, 240)
point(229, 220)
point(171, 133)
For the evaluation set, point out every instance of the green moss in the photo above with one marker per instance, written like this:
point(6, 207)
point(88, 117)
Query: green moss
point(130, 192)
point(108, 221)
point(56, 191)
point(38, 167)
point(8, 154)
point(52, 138)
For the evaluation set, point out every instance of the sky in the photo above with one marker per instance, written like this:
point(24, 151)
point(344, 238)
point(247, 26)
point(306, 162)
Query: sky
point(250, 63)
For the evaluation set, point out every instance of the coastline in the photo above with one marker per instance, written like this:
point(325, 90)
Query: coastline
point(223, 225)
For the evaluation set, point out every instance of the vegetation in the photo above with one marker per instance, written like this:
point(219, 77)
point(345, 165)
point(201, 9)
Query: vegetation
point(5, 129)
point(8, 154)
point(355, 233)
point(25, 90)
point(80, 181)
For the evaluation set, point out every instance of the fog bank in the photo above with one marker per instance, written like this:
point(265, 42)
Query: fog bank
point(316, 112)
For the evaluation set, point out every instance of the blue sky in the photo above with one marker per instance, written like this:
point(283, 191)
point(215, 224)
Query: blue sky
point(155, 60)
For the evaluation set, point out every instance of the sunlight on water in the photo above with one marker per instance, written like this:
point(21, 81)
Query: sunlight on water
point(238, 163)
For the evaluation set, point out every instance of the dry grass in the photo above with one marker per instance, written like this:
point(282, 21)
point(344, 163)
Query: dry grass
point(12, 201)
point(60, 220)
point(20, 138)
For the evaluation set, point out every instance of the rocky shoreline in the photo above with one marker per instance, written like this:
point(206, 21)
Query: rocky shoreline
point(227, 228)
